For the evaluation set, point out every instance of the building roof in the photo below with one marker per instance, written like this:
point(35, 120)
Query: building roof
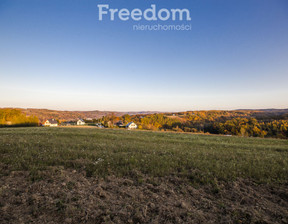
point(119, 123)
point(52, 121)
point(130, 124)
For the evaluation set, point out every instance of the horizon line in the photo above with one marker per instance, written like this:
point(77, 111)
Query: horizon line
point(138, 111)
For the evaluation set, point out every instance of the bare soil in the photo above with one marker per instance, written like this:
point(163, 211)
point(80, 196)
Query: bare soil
point(69, 196)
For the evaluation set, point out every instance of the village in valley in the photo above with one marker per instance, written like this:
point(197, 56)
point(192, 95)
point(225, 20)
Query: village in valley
point(89, 122)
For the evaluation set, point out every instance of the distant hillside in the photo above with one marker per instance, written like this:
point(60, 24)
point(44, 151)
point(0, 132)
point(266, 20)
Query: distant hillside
point(44, 114)
point(274, 111)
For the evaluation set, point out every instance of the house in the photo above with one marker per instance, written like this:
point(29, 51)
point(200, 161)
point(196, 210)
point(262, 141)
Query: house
point(80, 122)
point(131, 125)
point(99, 125)
point(50, 123)
point(119, 124)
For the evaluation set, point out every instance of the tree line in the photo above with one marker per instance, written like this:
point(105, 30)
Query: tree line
point(15, 118)
point(241, 123)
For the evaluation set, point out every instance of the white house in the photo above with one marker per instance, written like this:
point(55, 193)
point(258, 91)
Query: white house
point(51, 123)
point(80, 122)
point(131, 125)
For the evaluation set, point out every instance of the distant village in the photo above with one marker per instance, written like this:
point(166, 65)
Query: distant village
point(88, 122)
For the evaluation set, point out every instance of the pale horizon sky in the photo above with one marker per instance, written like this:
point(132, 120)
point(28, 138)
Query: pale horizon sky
point(57, 55)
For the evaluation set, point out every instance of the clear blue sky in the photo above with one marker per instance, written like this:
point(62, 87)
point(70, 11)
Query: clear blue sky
point(56, 54)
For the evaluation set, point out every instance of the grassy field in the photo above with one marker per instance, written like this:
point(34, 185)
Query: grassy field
point(200, 158)
point(89, 175)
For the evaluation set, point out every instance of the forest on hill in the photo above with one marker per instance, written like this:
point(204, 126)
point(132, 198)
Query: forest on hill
point(242, 123)
point(249, 123)
point(15, 117)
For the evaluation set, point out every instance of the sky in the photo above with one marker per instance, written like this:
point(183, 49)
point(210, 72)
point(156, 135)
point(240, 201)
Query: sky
point(59, 55)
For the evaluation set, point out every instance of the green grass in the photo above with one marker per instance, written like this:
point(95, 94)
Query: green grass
point(102, 152)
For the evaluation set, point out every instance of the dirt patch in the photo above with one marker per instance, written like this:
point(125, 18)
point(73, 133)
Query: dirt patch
point(68, 196)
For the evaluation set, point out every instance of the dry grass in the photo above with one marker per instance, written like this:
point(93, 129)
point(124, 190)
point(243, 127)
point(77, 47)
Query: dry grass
point(89, 175)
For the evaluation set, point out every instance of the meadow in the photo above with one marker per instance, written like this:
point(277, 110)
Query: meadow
point(201, 158)
point(163, 167)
